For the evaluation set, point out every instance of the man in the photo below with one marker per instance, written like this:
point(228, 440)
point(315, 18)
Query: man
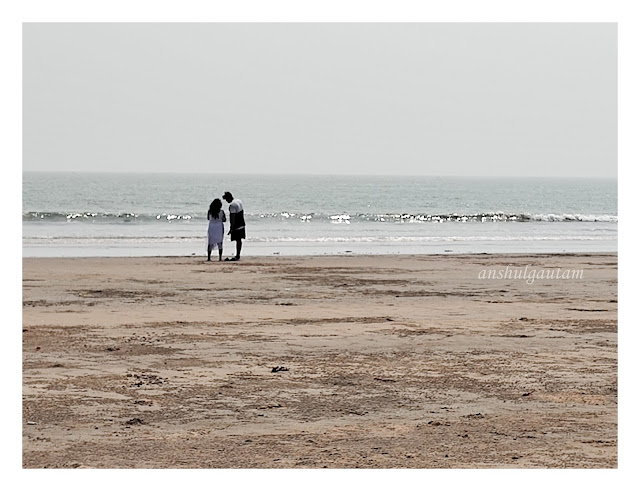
point(236, 219)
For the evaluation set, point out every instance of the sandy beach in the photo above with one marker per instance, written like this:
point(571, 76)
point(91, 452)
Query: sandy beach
point(313, 362)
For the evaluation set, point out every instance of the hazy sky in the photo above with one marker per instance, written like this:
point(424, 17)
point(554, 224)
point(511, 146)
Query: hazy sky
point(435, 99)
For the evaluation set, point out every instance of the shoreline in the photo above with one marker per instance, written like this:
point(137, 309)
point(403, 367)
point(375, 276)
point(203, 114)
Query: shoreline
point(344, 361)
point(328, 255)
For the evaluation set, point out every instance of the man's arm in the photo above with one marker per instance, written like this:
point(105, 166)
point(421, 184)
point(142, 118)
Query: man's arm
point(232, 221)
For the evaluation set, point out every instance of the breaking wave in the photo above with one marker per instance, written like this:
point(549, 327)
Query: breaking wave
point(481, 217)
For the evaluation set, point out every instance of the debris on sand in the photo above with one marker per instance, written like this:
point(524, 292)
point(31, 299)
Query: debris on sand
point(143, 402)
point(146, 379)
point(135, 421)
point(380, 379)
point(271, 406)
point(279, 369)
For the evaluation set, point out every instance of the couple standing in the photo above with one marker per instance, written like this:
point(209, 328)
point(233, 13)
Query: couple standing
point(216, 217)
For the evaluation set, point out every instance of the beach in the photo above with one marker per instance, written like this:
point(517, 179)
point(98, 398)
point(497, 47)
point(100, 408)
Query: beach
point(343, 361)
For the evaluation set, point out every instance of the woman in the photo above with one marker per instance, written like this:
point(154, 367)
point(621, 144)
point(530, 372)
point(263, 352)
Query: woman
point(215, 234)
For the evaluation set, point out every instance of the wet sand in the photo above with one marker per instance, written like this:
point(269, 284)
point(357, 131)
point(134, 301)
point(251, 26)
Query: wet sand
point(312, 362)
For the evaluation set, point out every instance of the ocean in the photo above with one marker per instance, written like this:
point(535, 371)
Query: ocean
point(130, 214)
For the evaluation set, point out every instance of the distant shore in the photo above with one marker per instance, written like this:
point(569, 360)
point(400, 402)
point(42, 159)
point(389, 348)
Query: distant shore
point(342, 361)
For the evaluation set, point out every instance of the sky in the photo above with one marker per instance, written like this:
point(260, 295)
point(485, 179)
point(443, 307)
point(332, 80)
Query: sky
point(449, 99)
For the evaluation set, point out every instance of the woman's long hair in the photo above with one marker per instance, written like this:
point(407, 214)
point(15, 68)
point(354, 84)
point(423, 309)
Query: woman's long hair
point(214, 209)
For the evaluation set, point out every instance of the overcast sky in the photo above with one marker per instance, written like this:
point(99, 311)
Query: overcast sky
point(433, 99)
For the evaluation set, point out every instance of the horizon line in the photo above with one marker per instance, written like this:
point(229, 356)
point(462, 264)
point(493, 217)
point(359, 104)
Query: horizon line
point(300, 174)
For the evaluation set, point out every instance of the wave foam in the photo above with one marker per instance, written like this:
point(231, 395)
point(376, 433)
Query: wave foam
point(341, 218)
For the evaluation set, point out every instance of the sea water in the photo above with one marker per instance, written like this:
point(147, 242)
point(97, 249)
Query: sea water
point(129, 214)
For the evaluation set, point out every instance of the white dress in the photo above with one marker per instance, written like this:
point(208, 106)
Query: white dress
point(215, 234)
